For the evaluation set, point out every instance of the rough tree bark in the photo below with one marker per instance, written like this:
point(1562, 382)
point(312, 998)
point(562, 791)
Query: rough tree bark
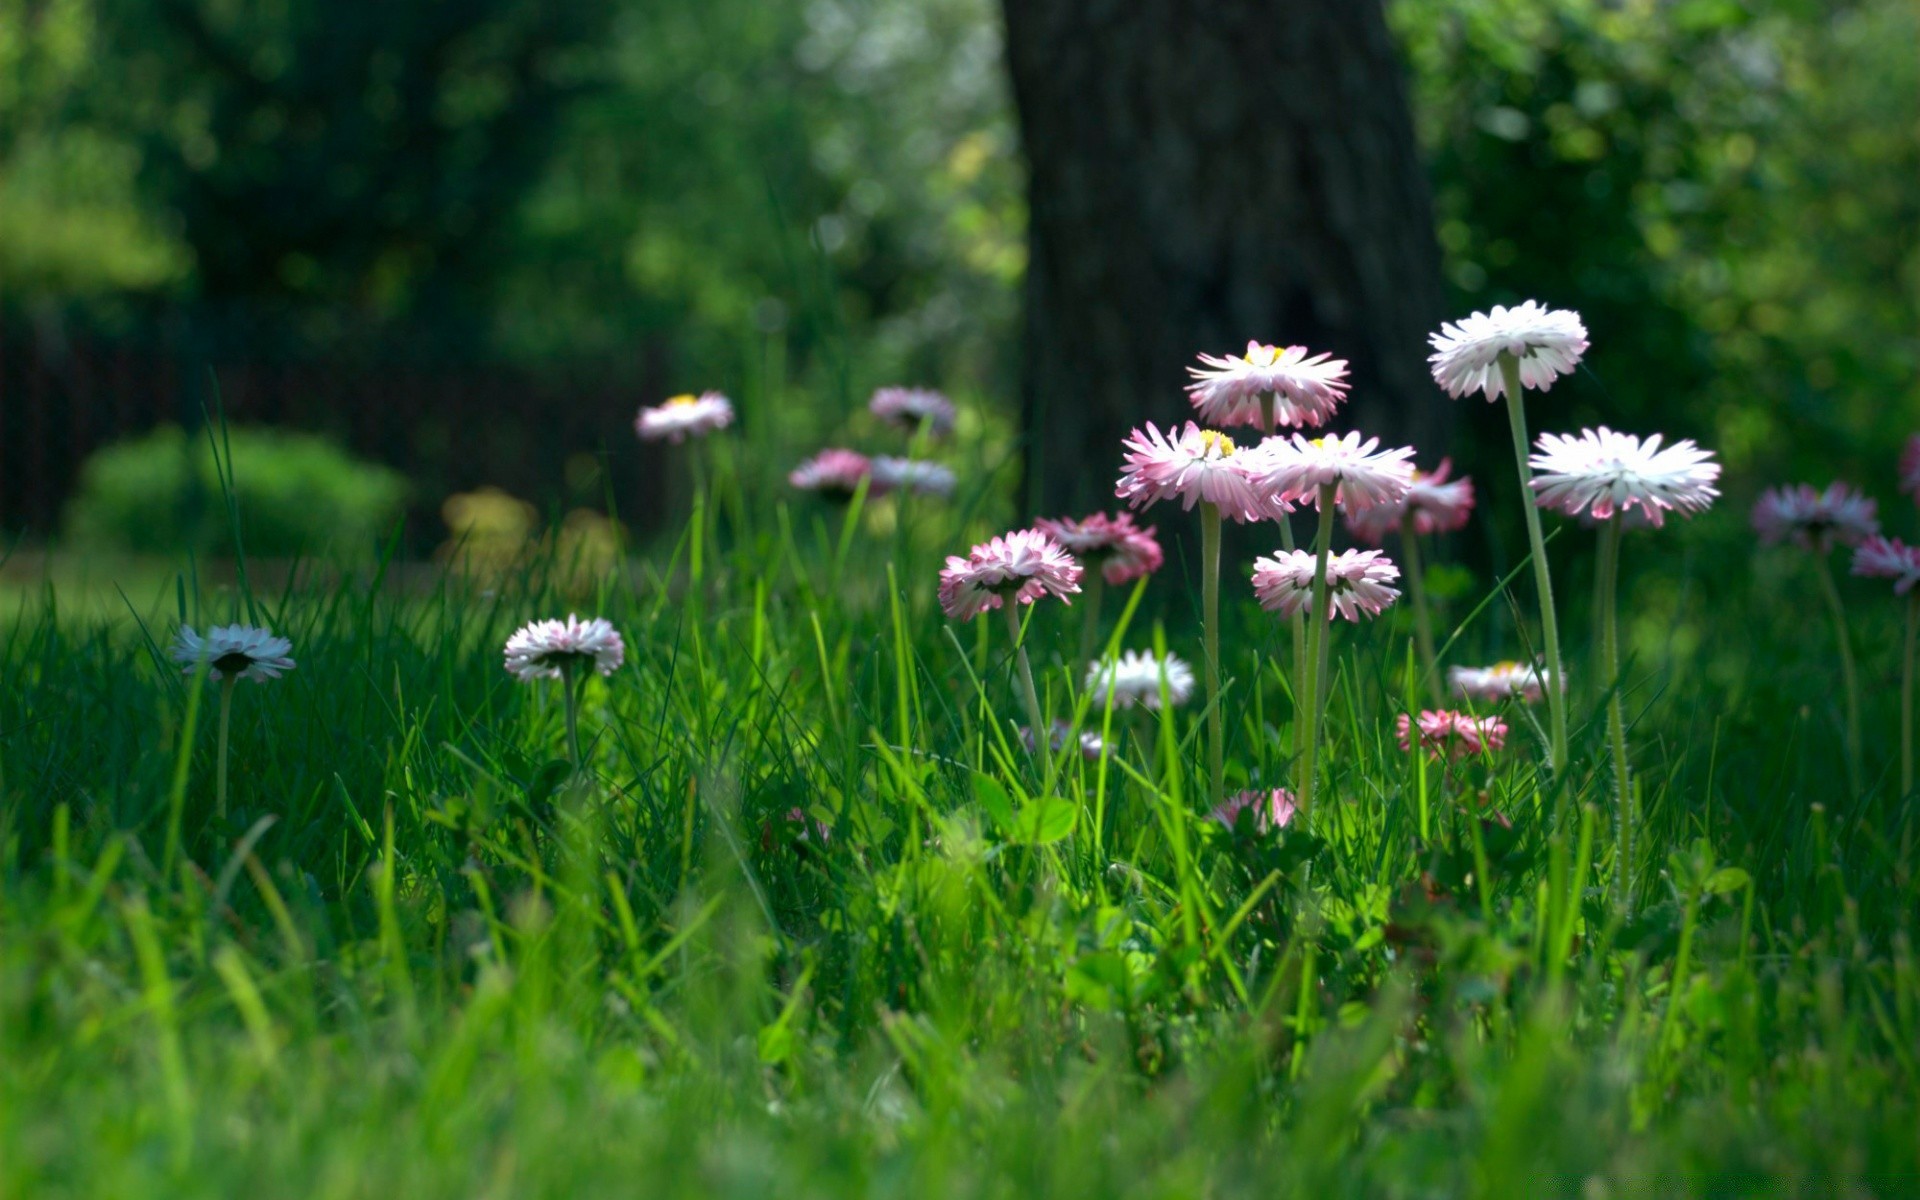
point(1203, 174)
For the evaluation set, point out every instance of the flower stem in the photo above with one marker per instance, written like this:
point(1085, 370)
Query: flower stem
point(1299, 623)
point(1094, 584)
point(1616, 714)
point(1210, 630)
point(1906, 698)
point(226, 712)
point(572, 690)
point(1849, 679)
point(1542, 578)
point(1316, 642)
point(1422, 621)
point(1042, 736)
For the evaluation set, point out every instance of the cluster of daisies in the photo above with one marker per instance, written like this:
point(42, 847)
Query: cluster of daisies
point(923, 414)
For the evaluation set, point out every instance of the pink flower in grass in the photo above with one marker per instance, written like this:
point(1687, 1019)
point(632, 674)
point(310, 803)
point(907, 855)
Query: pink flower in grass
point(1815, 520)
point(546, 649)
point(1089, 740)
point(1501, 681)
point(835, 473)
point(1297, 468)
point(1271, 809)
point(1438, 505)
point(1547, 342)
point(1882, 557)
point(1451, 734)
point(1357, 582)
point(683, 417)
point(1910, 468)
point(1196, 464)
point(1025, 565)
point(1122, 550)
point(915, 475)
point(914, 409)
point(1600, 473)
point(1305, 389)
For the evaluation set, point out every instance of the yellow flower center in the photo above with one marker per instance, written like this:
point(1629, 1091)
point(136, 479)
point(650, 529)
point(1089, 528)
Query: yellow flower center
point(1506, 666)
point(682, 400)
point(1262, 356)
point(1214, 440)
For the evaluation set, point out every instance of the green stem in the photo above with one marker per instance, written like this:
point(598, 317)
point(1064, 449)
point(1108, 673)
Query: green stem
point(1542, 578)
point(226, 712)
point(1849, 679)
point(1042, 736)
point(1422, 621)
point(1906, 697)
point(1616, 713)
point(1316, 640)
point(1299, 623)
point(572, 691)
point(1093, 585)
point(1606, 564)
point(1210, 630)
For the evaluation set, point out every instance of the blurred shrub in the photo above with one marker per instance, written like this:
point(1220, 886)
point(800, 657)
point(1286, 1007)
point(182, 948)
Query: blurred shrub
point(297, 494)
point(493, 535)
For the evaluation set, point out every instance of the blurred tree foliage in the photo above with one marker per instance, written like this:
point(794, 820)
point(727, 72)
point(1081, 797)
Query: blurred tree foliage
point(827, 194)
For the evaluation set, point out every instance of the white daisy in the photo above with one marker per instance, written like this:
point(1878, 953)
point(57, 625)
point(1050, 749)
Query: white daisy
point(1601, 473)
point(1134, 678)
point(551, 649)
point(912, 475)
point(1547, 342)
point(233, 651)
point(1305, 389)
point(1297, 469)
point(683, 417)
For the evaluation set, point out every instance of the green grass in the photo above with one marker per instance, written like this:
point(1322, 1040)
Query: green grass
point(418, 960)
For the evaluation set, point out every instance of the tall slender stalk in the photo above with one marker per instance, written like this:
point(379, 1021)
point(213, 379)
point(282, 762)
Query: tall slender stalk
point(1616, 712)
point(1542, 578)
point(1297, 621)
point(1210, 631)
point(570, 686)
point(1316, 640)
point(220, 776)
point(1422, 620)
point(1849, 678)
point(1093, 585)
point(1042, 736)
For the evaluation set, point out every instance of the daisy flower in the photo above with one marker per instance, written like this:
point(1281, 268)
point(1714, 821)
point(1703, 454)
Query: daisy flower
point(1451, 735)
point(1025, 565)
point(1815, 520)
point(1122, 550)
point(233, 652)
point(1196, 464)
point(1305, 390)
point(914, 409)
point(1501, 681)
point(1438, 505)
point(912, 475)
point(1910, 468)
point(1888, 558)
point(1134, 678)
point(1357, 582)
point(835, 473)
point(1602, 472)
point(1298, 468)
point(551, 649)
point(1546, 342)
point(1271, 809)
point(683, 417)
point(1089, 741)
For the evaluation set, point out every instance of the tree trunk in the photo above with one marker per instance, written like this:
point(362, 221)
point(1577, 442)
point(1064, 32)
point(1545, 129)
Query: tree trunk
point(1202, 175)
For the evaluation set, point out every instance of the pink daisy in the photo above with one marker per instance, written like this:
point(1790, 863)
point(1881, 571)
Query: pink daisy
point(1547, 342)
point(685, 416)
point(1501, 681)
point(834, 473)
point(1025, 565)
point(1196, 464)
point(912, 475)
point(1305, 390)
point(1357, 582)
point(1888, 558)
point(1271, 809)
point(1438, 505)
point(1089, 741)
point(914, 409)
point(549, 649)
point(1814, 520)
point(1297, 468)
point(1910, 468)
point(1122, 550)
point(1601, 472)
point(1451, 734)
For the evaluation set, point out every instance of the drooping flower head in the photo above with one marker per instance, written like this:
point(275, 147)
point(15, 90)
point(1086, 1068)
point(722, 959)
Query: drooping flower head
point(1270, 810)
point(1814, 520)
point(551, 649)
point(233, 652)
point(1451, 734)
point(1910, 468)
point(1547, 343)
point(1881, 557)
point(1601, 472)
point(1437, 504)
point(1134, 678)
point(1305, 389)
point(1196, 464)
point(1024, 565)
point(1088, 741)
point(914, 409)
point(1357, 582)
point(836, 473)
point(1122, 550)
point(915, 475)
point(1297, 468)
point(683, 417)
point(1501, 681)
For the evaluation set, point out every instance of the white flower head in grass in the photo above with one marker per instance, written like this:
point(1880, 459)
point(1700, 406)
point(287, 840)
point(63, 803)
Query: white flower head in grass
point(1194, 464)
point(1135, 677)
point(914, 409)
point(233, 652)
point(834, 472)
point(1600, 472)
point(1122, 550)
point(1270, 810)
point(683, 417)
point(1024, 565)
point(1089, 741)
point(1298, 467)
point(1888, 558)
point(1546, 342)
point(553, 649)
point(1358, 583)
point(1305, 389)
point(912, 475)
point(1501, 681)
point(1436, 503)
point(1815, 520)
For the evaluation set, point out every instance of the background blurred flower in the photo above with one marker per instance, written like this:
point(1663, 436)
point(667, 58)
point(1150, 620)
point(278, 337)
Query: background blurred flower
point(914, 409)
point(1271, 809)
point(1304, 389)
point(912, 475)
point(1134, 678)
point(1501, 681)
point(1546, 342)
point(1882, 557)
point(1025, 565)
point(1451, 734)
point(1120, 549)
point(683, 417)
point(1602, 472)
point(1438, 505)
point(833, 472)
point(1815, 520)
point(547, 649)
point(1357, 582)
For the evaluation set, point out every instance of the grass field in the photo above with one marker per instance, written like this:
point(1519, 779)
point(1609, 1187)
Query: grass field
point(420, 957)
